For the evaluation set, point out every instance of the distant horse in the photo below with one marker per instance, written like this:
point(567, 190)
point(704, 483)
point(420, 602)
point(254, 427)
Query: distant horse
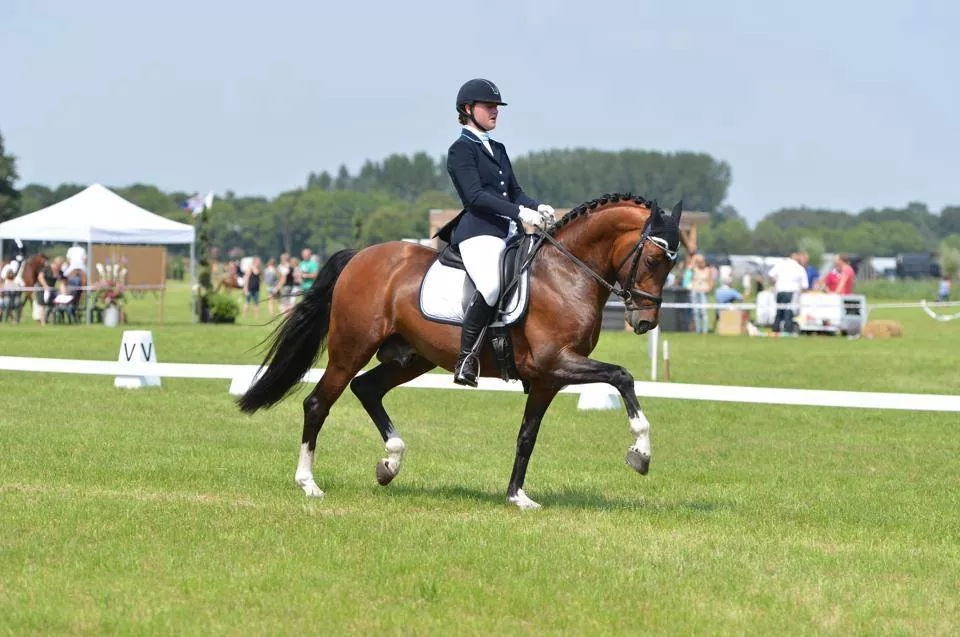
point(365, 303)
point(29, 277)
point(232, 279)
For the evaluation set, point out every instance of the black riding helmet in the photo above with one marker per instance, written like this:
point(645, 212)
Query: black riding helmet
point(477, 90)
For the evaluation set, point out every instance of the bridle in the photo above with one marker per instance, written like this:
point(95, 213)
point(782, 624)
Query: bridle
point(630, 296)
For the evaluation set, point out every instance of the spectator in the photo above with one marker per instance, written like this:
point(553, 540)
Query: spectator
point(812, 273)
point(76, 260)
point(295, 272)
point(943, 293)
point(847, 275)
point(251, 288)
point(48, 279)
point(701, 284)
point(8, 293)
point(726, 294)
point(286, 271)
point(746, 282)
point(308, 270)
point(271, 280)
point(829, 282)
point(687, 277)
point(789, 279)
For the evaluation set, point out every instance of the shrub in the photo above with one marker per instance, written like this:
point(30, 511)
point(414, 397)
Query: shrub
point(222, 307)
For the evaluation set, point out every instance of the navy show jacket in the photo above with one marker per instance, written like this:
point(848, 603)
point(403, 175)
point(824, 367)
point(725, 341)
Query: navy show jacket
point(487, 187)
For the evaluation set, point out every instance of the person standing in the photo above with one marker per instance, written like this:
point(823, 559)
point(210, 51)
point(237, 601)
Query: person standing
point(789, 280)
point(847, 274)
point(308, 270)
point(701, 284)
point(288, 284)
point(813, 274)
point(271, 281)
point(494, 205)
point(943, 290)
point(251, 287)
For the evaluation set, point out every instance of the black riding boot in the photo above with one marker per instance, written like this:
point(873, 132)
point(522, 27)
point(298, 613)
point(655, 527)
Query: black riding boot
point(475, 321)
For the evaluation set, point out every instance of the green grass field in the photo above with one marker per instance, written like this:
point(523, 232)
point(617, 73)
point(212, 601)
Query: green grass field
point(166, 511)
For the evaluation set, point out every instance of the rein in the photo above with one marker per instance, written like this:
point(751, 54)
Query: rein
point(627, 296)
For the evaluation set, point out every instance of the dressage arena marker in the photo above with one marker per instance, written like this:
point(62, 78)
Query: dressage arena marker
point(137, 347)
point(644, 389)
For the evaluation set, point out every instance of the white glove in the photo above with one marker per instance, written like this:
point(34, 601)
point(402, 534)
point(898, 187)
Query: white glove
point(549, 214)
point(531, 217)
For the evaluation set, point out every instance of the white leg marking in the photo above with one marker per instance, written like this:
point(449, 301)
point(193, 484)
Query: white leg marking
point(640, 427)
point(304, 475)
point(522, 501)
point(395, 451)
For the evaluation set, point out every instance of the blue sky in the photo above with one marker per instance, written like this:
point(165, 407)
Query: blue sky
point(828, 104)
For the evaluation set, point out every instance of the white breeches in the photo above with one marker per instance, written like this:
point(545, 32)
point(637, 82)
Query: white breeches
point(481, 259)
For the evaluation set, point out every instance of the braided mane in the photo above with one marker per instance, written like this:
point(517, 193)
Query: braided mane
point(596, 205)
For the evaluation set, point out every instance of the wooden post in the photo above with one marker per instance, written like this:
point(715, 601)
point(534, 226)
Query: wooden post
point(163, 282)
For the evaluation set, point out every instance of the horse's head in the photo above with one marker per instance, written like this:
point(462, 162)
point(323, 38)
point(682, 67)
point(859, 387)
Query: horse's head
point(650, 261)
point(30, 272)
point(607, 245)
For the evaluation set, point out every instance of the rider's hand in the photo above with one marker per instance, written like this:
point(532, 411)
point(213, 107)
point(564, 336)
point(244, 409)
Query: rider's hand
point(531, 217)
point(549, 214)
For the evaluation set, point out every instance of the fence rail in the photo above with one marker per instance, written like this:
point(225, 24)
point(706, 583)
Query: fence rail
point(242, 375)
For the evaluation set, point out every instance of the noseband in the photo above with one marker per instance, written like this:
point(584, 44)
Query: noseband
point(631, 296)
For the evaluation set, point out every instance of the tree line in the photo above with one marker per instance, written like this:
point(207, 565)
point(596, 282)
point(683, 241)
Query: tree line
point(871, 232)
point(390, 199)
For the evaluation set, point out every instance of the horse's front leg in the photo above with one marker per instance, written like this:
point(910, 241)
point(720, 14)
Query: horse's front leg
point(537, 403)
point(574, 369)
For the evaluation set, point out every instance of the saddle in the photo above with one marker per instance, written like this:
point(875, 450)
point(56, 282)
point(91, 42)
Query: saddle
point(510, 262)
point(446, 290)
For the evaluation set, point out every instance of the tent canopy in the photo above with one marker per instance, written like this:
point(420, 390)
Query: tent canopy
point(97, 215)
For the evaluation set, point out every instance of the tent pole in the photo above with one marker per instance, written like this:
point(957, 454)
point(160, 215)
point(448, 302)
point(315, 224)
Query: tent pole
point(89, 309)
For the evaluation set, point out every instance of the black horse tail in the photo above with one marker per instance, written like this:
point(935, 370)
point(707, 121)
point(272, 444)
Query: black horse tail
point(297, 342)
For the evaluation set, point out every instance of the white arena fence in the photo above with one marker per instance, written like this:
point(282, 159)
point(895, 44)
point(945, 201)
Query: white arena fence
point(242, 375)
point(90, 288)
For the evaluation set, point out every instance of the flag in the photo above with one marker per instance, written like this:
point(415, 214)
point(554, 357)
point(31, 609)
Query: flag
point(198, 203)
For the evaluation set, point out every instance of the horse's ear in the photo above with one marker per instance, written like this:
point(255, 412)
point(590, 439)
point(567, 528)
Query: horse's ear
point(656, 213)
point(677, 211)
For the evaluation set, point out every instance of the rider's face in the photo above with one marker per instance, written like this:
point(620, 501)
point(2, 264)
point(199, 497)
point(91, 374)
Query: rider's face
point(486, 114)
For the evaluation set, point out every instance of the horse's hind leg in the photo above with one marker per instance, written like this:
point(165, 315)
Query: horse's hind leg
point(316, 408)
point(370, 388)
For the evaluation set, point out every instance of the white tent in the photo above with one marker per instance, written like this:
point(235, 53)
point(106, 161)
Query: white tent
point(99, 215)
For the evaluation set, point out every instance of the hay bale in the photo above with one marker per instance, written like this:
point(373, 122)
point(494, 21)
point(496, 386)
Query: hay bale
point(882, 329)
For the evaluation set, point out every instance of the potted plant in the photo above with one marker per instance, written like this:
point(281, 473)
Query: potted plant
point(110, 289)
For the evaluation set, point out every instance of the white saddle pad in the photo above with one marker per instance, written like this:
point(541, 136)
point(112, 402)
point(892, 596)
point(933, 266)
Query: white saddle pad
point(443, 290)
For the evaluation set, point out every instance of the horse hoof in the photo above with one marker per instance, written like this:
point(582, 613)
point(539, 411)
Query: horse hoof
point(639, 462)
point(385, 474)
point(522, 502)
point(311, 490)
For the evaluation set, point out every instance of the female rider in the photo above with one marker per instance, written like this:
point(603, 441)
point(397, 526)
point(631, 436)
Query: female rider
point(493, 206)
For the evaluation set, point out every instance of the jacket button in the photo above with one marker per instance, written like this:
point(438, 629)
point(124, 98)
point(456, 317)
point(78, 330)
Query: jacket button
point(501, 183)
point(501, 172)
point(504, 194)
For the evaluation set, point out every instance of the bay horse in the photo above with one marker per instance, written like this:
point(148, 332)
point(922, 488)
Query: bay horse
point(29, 277)
point(232, 279)
point(366, 303)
